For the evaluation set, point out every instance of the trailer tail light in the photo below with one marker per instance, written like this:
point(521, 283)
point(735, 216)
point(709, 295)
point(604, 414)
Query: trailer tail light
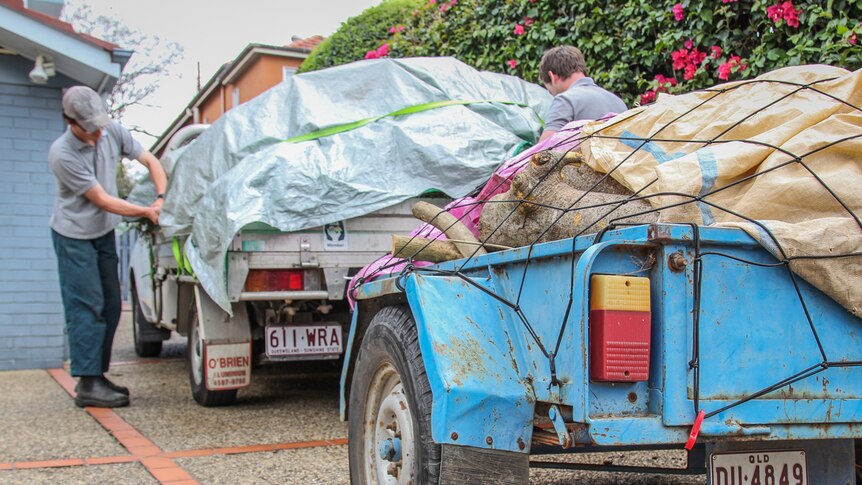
point(274, 280)
point(619, 328)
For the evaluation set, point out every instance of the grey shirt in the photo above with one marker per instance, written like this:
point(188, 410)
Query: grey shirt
point(78, 167)
point(584, 100)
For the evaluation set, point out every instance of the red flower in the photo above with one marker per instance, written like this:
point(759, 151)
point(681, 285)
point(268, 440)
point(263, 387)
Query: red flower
point(791, 15)
point(716, 51)
point(680, 59)
point(512, 63)
point(432, 2)
point(396, 29)
point(519, 29)
point(732, 65)
point(371, 55)
point(724, 71)
point(648, 97)
point(853, 39)
point(728, 1)
point(663, 82)
point(444, 7)
point(689, 43)
point(528, 21)
point(689, 72)
point(383, 50)
point(696, 57)
point(784, 11)
point(678, 12)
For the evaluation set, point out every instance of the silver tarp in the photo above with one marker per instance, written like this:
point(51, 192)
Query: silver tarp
point(242, 170)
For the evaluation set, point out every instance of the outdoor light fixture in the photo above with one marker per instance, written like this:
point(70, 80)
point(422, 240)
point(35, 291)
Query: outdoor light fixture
point(43, 70)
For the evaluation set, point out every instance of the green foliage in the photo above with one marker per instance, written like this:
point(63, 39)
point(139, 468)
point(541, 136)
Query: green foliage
point(359, 34)
point(627, 43)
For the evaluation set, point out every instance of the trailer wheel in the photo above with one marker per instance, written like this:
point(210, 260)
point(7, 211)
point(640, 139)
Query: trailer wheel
point(142, 348)
point(390, 407)
point(202, 395)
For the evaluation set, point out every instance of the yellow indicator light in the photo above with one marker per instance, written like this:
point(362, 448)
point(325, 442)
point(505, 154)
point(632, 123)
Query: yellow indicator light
point(620, 293)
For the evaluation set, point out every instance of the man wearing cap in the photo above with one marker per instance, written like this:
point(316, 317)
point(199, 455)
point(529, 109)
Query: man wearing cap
point(86, 210)
point(576, 96)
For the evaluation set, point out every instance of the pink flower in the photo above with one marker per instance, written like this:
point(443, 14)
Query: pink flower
point(648, 97)
point(678, 12)
point(784, 11)
point(383, 50)
point(853, 39)
point(528, 21)
point(696, 57)
point(371, 55)
point(444, 7)
point(728, 1)
point(512, 63)
point(689, 43)
point(519, 29)
point(432, 2)
point(396, 29)
point(775, 12)
point(724, 71)
point(689, 72)
point(716, 51)
point(791, 15)
point(663, 82)
point(680, 59)
point(732, 65)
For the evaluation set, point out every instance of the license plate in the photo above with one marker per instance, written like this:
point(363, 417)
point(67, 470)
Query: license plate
point(282, 341)
point(759, 468)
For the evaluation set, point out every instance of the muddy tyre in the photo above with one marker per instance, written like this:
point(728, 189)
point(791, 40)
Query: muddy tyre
point(142, 348)
point(390, 407)
point(201, 394)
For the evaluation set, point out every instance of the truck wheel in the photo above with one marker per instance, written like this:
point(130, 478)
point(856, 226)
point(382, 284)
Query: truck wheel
point(390, 407)
point(143, 349)
point(202, 395)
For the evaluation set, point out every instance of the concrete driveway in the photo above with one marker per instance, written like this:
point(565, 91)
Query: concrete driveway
point(284, 428)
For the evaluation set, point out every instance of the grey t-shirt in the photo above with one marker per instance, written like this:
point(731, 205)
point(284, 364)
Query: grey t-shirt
point(78, 167)
point(584, 100)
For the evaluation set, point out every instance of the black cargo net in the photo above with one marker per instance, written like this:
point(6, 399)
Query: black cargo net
point(608, 212)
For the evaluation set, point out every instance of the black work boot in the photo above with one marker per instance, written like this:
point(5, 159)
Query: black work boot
point(92, 391)
point(116, 387)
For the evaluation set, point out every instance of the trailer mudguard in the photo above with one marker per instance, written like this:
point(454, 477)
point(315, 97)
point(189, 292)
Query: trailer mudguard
point(480, 399)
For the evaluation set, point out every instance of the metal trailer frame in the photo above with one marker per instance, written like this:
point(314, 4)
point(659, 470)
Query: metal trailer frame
point(764, 354)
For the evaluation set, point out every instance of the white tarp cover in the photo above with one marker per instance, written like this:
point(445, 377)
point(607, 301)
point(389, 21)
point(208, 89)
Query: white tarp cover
point(241, 170)
point(735, 146)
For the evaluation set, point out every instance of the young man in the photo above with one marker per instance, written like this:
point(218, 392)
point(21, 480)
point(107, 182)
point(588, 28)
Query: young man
point(576, 96)
point(86, 211)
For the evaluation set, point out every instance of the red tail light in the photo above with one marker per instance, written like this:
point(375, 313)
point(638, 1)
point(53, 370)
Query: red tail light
point(274, 280)
point(619, 328)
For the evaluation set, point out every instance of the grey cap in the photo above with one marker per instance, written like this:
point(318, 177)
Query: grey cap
point(86, 107)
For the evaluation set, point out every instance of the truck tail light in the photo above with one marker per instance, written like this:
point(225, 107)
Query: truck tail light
point(274, 280)
point(619, 328)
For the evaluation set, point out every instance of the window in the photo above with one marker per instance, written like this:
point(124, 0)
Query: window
point(235, 97)
point(286, 72)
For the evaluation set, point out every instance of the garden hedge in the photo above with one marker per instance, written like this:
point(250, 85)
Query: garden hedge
point(632, 47)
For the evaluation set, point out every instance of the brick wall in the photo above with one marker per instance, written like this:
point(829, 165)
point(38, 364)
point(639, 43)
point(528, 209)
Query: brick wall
point(32, 331)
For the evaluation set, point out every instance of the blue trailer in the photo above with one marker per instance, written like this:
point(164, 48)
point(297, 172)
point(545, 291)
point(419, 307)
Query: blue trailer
point(465, 371)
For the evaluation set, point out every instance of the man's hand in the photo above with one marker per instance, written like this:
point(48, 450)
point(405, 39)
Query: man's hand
point(158, 203)
point(153, 213)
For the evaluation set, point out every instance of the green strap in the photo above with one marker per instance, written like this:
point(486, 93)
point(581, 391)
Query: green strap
point(334, 130)
point(183, 264)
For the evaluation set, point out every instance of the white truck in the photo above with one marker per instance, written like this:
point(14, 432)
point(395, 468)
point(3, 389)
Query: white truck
point(287, 294)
